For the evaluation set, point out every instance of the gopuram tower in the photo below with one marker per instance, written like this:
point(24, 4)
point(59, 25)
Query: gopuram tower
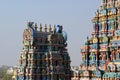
point(44, 55)
point(101, 52)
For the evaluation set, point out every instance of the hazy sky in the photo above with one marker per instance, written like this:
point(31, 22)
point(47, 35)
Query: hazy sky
point(74, 15)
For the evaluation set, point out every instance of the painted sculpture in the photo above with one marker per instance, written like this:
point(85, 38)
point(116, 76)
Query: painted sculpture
point(100, 54)
point(44, 55)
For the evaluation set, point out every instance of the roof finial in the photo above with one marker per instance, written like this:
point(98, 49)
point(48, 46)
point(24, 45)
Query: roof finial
point(54, 29)
point(30, 24)
point(36, 26)
point(40, 27)
point(50, 28)
point(45, 28)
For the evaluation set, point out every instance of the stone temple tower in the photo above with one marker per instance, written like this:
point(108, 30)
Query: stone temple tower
point(44, 55)
point(101, 52)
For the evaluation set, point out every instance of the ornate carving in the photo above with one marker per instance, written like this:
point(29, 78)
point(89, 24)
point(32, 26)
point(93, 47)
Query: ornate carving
point(113, 55)
point(83, 56)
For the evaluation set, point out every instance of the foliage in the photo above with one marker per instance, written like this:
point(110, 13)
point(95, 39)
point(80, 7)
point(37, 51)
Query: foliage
point(4, 75)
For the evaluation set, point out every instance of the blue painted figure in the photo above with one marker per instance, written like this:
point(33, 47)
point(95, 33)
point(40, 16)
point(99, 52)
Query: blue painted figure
point(59, 29)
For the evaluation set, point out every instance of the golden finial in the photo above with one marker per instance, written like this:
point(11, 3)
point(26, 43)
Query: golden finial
point(36, 26)
point(40, 27)
point(45, 28)
point(50, 28)
point(54, 29)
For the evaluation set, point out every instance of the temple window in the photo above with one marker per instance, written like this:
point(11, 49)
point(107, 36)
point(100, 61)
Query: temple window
point(56, 48)
point(58, 77)
point(41, 47)
point(59, 42)
point(56, 63)
point(53, 48)
point(38, 56)
point(45, 47)
point(46, 40)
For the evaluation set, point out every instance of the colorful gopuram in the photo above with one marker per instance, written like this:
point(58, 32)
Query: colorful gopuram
point(44, 55)
point(101, 52)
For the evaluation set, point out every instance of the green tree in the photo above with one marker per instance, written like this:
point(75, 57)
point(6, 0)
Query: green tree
point(4, 75)
point(7, 77)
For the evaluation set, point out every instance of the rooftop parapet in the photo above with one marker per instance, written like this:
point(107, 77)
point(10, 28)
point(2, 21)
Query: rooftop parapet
point(46, 28)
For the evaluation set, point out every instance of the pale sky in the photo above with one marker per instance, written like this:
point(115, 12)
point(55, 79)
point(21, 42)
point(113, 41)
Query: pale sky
point(74, 15)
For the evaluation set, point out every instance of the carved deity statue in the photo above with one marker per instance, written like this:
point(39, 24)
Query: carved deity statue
point(104, 26)
point(119, 23)
point(118, 53)
point(112, 25)
point(100, 56)
point(93, 57)
point(113, 55)
point(83, 57)
point(104, 56)
point(110, 3)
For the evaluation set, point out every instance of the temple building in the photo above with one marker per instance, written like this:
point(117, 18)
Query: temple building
point(44, 55)
point(101, 52)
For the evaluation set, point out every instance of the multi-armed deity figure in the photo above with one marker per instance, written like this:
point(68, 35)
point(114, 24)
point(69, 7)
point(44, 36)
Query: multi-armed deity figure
point(44, 55)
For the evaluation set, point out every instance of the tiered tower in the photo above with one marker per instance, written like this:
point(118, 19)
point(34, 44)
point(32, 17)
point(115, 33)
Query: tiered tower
point(44, 55)
point(101, 53)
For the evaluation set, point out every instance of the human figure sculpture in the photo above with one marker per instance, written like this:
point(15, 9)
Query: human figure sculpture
point(104, 56)
point(100, 26)
point(113, 55)
point(119, 23)
point(108, 3)
point(118, 53)
point(104, 5)
point(112, 25)
point(118, 10)
point(84, 57)
point(59, 29)
point(93, 57)
point(100, 56)
point(117, 56)
point(104, 28)
point(118, 3)
point(113, 67)
point(96, 27)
